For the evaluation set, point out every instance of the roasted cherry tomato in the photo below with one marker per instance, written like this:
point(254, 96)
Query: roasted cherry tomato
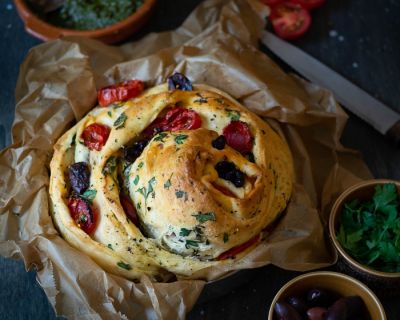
point(176, 119)
point(290, 20)
point(238, 136)
point(83, 213)
point(236, 250)
point(129, 209)
point(95, 136)
point(309, 4)
point(271, 2)
point(120, 92)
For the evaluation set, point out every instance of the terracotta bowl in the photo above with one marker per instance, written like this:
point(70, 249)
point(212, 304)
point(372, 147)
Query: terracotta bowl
point(384, 283)
point(332, 281)
point(110, 34)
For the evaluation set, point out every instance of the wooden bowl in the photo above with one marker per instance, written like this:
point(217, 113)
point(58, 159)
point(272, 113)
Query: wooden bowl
point(384, 283)
point(110, 34)
point(332, 281)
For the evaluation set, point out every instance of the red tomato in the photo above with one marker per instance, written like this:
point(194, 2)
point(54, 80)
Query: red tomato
point(95, 136)
point(84, 215)
point(290, 20)
point(238, 136)
point(176, 119)
point(271, 2)
point(120, 92)
point(129, 209)
point(309, 4)
point(236, 250)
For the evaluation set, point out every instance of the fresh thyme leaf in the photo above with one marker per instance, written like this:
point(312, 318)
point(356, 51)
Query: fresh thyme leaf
point(203, 217)
point(184, 232)
point(120, 122)
point(124, 265)
point(180, 138)
point(370, 231)
point(89, 194)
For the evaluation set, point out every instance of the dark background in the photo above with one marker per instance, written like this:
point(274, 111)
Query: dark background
point(360, 39)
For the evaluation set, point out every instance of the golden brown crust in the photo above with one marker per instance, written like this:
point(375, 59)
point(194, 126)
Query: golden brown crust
point(187, 221)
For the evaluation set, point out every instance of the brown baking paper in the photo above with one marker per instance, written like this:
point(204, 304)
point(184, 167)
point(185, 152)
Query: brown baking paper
point(217, 45)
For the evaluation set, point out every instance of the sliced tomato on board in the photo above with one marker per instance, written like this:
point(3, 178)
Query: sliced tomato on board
point(129, 209)
point(120, 92)
point(309, 4)
point(231, 253)
point(176, 119)
point(271, 2)
point(83, 213)
point(290, 20)
point(238, 136)
point(95, 136)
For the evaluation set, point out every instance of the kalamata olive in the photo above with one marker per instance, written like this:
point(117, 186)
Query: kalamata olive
point(219, 143)
point(131, 153)
point(316, 313)
point(228, 171)
point(338, 311)
point(79, 176)
point(355, 306)
point(179, 82)
point(299, 304)
point(319, 298)
point(284, 311)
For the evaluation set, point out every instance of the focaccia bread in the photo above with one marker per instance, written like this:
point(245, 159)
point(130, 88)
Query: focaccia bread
point(169, 182)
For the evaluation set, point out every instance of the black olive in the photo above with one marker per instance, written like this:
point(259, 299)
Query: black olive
point(299, 304)
point(131, 153)
point(219, 143)
point(225, 169)
point(338, 311)
point(285, 311)
point(179, 82)
point(319, 298)
point(79, 176)
point(355, 306)
point(238, 179)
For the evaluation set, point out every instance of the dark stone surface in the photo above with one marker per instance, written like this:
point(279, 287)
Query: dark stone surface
point(358, 38)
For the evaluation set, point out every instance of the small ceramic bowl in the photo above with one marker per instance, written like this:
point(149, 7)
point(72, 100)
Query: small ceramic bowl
point(384, 283)
point(110, 34)
point(332, 281)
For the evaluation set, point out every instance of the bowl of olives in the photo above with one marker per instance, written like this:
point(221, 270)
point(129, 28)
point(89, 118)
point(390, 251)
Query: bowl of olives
point(325, 295)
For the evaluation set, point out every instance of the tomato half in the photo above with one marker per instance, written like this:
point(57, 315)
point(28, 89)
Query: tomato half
point(83, 213)
point(129, 209)
point(238, 136)
point(95, 136)
point(120, 92)
point(271, 2)
point(231, 253)
point(290, 20)
point(309, 4)
point(176, 119)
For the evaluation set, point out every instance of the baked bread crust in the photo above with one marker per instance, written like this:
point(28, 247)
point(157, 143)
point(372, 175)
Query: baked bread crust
point(186, 221)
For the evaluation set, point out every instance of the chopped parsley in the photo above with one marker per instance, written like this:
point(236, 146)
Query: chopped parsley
point(226, 237)
point(161, 136)
point(120, 122)
point(110, 246)
point(204, 217)
point(89, 194)
point(233, 114)
point(136, 180)
point(124, 265)
point(180, 138)
point(145, 192)
point(140, 165)
point(110, 165)
point(167, 183)
point(184, 232)
point(181, 194)
point(192, 243)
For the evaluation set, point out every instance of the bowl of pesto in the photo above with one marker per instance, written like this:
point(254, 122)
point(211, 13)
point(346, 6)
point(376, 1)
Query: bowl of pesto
point(107, 21)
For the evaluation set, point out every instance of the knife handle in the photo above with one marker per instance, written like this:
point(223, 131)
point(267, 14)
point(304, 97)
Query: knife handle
point(394, 133)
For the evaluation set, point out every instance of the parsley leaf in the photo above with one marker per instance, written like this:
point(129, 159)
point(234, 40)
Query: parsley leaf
point(192, 243)
point(233, 114)
point(124, 265)
point(180, 138)
point(89, 194)
point(203, 217)
point(136, 180)
point(120, 122)
point(110, 166)
point(160, 137)
point(167, 183)
point(180, 194)
point(184, 232)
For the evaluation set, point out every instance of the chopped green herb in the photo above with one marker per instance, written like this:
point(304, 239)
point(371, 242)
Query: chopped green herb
point(117, 105)
point(203, 217)
point(73, 140)
point(140, 165)
point(184, 232)
point(233, 114)
point(109, 114)
point(192, 243)
point(89, 194)
point(139, 205)
point(136, 180)
point(180, 194)
point(161, 136)
point(145, 192)
point(167, 184)
point(110, 246)
point(370, 231)
point(124, 265)
point(226, 237)
point(120, 122)
point(180, 138)
point(110, 166)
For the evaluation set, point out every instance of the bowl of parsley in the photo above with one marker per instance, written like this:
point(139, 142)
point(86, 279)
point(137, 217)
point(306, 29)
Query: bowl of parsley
point(364, 227)
point(107, 21)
